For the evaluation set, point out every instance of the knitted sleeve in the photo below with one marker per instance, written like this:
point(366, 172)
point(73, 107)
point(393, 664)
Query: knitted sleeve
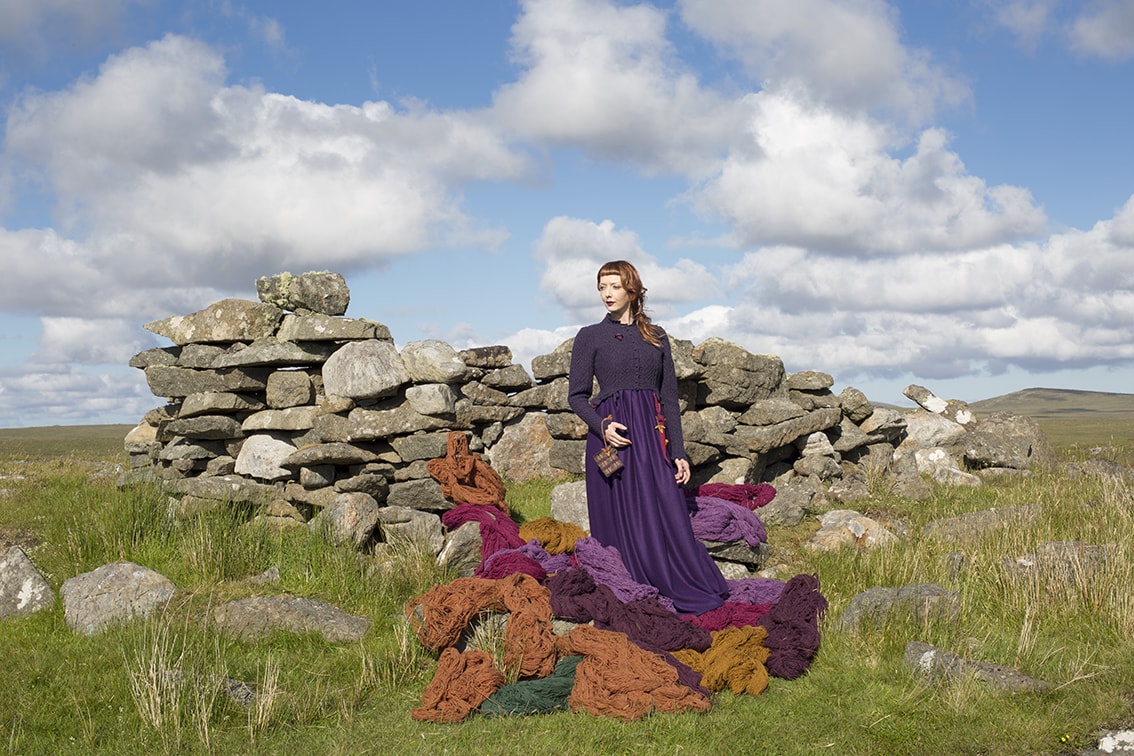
point(670, 406)
point(580, 381)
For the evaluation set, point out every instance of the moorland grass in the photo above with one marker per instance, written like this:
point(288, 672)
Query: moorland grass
point(164, 685)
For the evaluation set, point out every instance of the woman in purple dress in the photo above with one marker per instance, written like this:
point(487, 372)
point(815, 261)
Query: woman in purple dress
point(641, 509)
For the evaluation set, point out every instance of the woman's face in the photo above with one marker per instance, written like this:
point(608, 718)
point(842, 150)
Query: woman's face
point(615, 297)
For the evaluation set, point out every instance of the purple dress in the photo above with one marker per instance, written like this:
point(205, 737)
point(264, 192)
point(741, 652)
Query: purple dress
point(641, 510)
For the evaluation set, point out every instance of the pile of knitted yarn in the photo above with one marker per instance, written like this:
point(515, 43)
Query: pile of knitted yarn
point(579, 633)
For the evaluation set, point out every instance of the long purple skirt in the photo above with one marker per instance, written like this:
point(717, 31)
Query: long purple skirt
point(642, 512)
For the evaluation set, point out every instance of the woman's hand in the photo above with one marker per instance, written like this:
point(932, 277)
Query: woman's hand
point(682, 474)
point(613, 435)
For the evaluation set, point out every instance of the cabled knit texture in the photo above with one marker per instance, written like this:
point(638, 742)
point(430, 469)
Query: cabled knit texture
point(720, 520)
point(793, 627)
point(607, 567)
point(620, 358)
point(748, 495)
point(462, 683)
point(755, 590)
point(557, 537)
point(618, 679)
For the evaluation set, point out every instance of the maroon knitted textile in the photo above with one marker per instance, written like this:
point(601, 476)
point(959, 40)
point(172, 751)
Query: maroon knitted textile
point(724, 521)
point(605, 564)
point(731, 614)
point(793, 627)
point(508, 562)
point(755, 590)
point(746, 494)
point(497, 530)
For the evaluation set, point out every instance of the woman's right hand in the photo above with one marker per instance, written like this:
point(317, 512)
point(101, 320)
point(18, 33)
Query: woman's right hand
point(613, 435)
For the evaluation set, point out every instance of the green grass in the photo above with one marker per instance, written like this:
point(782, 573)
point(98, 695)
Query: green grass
point(110, 693)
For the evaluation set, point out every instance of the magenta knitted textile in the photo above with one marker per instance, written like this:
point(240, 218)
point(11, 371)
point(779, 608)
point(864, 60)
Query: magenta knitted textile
point(755, 590)
point(730, 614)
point(605, 564)
point(508, 562)
point(721, 520)
point(793, 627)
point(746, 494)
point(497, 530)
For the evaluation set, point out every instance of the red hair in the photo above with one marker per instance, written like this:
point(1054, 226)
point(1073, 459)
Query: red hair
point(632, 283)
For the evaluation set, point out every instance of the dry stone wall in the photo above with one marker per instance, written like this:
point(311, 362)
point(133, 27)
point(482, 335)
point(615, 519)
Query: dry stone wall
point(286, 401)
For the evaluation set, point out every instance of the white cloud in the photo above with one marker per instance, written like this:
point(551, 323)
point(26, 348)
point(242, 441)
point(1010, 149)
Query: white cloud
point(846, 54)
point(1028, 20)
point(1105, 29)
point(821, 179)
point(34, 25)
point(66, 395)
point(158, 164)
point(604, 77)
point(572, 250)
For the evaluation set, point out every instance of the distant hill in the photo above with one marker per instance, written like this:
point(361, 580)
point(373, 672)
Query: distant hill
point(1045, 403)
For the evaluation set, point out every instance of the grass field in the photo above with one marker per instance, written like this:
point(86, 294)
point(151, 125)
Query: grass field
point(61, 692)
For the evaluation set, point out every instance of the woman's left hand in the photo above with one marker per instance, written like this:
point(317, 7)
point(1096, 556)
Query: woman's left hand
point(682, 474)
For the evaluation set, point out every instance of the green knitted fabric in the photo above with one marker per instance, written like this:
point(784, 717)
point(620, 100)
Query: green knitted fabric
point(534, 696)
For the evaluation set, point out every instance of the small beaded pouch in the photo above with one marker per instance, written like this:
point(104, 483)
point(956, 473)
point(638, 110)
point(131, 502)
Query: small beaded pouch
point(607, 459)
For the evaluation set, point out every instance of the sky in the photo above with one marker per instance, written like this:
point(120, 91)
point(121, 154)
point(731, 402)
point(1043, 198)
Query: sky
point(937, 192)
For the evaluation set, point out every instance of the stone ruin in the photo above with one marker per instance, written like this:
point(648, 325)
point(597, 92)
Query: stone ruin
point(290, 408)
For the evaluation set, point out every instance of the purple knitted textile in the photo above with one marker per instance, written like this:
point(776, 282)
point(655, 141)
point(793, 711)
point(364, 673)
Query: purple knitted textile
point(575, 596)
point(731, 614)
point(793, 627)
point(755, 590)
point(605, 564)
point(550, 562)
point(721, 520)
point(746, 494)
point(508, 562)
point(497, 530)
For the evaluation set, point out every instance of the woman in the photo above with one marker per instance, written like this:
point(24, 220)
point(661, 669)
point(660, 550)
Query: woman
point(641, 509)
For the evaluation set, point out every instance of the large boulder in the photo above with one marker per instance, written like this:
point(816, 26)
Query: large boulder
point(365, 370)
point(113, 593)
point(322, 292)
point(1007, 440)
point(225, 321)
point(23, 589)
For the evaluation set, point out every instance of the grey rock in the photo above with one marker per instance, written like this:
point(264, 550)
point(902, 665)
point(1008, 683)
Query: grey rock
point(423, 493)
point(771, 411)
point(224, 321)
point(365, 370)
point(320, 291)
point(462, 551)
point(275, 353)
point(554, 365)
point(113, 593)
point(936, 664)
point(157, 356)
point(809, 380)
point(335, 453)
point(23, 589)
point(884, 424)
point(348, 519)
point(925, 430)
point(568, 456)
point(316, 476)
point(201, 356)
point(262, 456)
point(432, 399)
point(316, 326)
point(399, 523)
point(855, 404)
point(257, 617)
point(847, 436)
point(233, 488)
point(569, 504)
point(1006, 440)
point(478, 393)
point(289, 419)
point(433, 361)
point(566, 425)
point(421, 446)
point(550, 396)
point(369, 424)
point(208, 427)
point(183, 448)
point(510, 378)
point(951, 409)
point(739, 552)
point(218, 403)
point(469, 414)
point(176, 382)
point(846, 527)
point(374, 484)
point(524, 451)
point(920, 601)
point(289, 388)
point(489, 357)
point(767, 437)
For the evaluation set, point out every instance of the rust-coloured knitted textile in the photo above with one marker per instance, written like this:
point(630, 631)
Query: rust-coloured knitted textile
point(735, 659)
point(441, 615)
point(556, 536)
point(619, 679)
point(465, 478)
point(462, 683)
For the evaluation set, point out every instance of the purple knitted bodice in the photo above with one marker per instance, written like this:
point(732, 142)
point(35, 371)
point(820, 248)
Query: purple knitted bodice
point(618, 356)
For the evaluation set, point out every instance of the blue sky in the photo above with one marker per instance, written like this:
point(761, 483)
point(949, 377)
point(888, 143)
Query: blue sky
point(933, 192)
